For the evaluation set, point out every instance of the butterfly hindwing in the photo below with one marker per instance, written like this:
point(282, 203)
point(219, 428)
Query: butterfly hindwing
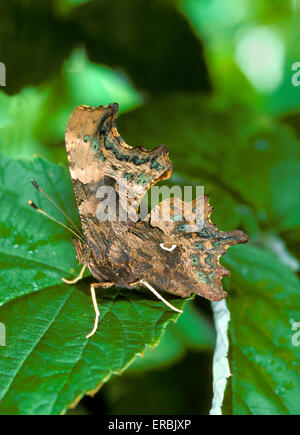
point(199, 246)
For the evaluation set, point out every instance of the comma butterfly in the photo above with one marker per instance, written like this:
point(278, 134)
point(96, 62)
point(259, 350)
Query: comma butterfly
point(178, 255)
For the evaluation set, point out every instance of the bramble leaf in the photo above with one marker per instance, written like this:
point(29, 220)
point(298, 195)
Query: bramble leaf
point(48, 363)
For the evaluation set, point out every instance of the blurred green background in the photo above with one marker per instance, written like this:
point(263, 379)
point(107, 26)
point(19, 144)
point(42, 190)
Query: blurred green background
point(212, 80)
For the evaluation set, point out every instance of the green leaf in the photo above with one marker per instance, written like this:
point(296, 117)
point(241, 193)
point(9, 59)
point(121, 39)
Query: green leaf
point(236, 53)
point(20, 117)
point(157, 62)
point(191, 332)
point(48, 363)
point(36, 38)
point(34, 41)
point(35, 119)
point(264, 305)
point(34, 252)
point(82, 81)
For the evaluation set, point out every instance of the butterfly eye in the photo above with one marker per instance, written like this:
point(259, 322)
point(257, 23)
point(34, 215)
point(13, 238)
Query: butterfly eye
point(167, 249)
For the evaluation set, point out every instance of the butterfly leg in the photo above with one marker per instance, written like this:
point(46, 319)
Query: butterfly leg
point(159, 296)
point(97, 312)
point(79, 277)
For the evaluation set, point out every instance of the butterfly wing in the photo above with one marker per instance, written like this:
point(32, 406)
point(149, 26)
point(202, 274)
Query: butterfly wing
point(99, 157)
point(179, 255)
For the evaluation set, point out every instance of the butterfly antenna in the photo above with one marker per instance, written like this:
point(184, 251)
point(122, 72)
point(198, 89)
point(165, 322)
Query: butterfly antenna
point(35, 184)
point(32, 204)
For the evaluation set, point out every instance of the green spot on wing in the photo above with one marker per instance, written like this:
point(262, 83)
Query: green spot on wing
point(195, 259)
point(209, 262)
point(143, 179)
point(128, 175)
point(95, 144)
point(177, 218)
point(183, 227)
point(202, 277)
point(156, 165)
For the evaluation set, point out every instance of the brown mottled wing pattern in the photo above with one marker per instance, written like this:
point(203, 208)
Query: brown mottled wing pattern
point(98, 156)
point(193, 266)
point(126, 252)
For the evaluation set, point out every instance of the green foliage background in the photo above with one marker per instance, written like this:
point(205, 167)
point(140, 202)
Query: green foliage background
point(189, 74)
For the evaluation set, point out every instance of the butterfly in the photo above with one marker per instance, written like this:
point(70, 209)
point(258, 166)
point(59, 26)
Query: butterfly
point(176, 255)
